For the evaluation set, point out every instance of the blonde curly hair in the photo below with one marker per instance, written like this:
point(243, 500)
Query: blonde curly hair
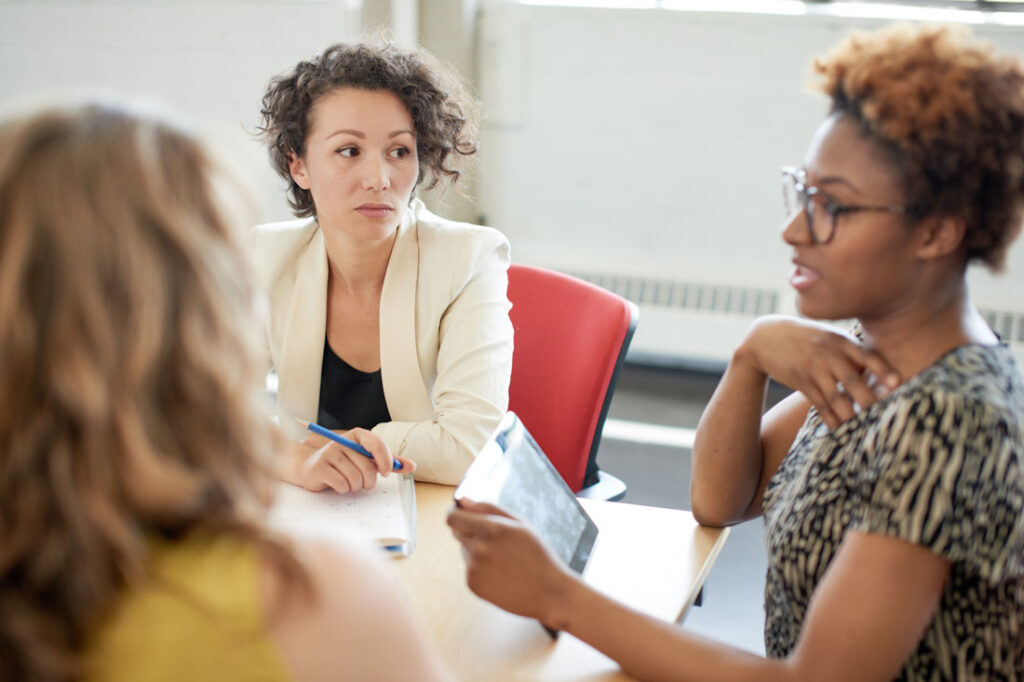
point(951, 113)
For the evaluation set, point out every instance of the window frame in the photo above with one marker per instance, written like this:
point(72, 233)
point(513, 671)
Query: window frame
point(982, 5)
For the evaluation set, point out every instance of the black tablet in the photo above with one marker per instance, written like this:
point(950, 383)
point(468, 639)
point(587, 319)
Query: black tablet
point(513, 473)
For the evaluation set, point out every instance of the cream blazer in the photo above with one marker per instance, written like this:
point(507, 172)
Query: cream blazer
point(445, 335)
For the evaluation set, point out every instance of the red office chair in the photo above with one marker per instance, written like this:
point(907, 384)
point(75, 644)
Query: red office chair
point(570, 340)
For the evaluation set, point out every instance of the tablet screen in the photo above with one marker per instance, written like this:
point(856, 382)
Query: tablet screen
point(513, 473)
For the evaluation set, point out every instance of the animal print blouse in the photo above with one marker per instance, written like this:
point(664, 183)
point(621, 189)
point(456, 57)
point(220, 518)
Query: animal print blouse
point(939, 462)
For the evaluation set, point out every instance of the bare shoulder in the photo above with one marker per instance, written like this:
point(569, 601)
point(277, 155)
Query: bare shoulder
point(353, 621)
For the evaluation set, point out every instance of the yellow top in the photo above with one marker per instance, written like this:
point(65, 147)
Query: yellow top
point(200, 618)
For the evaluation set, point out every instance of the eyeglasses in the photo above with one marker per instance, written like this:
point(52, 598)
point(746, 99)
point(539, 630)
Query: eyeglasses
point(822, 210)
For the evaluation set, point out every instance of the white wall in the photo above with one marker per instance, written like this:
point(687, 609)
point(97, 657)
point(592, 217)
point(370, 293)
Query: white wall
point(648, 143)
point(211, 60)
point(638, 143)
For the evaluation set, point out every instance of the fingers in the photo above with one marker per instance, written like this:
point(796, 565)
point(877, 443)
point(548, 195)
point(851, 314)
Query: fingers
point(864, 376)
point(382, 459)
point(840, 374)
point(506, 563)
point(463, 522)
point(330, 477)
point(469, 529)
point(848, 384)
point(480, 522)
point(318, 474)
point(880, 377)
point(823, 402)
point(853, 387)
point(836, 371)
point(359, 470)
point(481, 507)
point(344, 470)
point(340, 469)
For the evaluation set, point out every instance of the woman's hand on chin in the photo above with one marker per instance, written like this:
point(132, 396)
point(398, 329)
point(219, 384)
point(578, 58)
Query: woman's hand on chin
point(836, 372)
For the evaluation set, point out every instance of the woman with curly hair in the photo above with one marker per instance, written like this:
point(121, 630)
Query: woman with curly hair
point(386, 322)
point(892, 481)
point(134, 440)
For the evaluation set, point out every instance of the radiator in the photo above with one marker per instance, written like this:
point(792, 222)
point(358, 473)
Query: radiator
point(698, 324)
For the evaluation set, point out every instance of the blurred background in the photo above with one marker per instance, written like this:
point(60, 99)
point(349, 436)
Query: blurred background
point(635, 143)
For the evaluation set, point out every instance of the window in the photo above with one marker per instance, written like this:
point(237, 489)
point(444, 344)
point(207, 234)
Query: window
point(896, 8)
point(990, 5)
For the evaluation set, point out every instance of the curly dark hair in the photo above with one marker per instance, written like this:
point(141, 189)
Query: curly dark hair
point(951, 112)
point(443, 114)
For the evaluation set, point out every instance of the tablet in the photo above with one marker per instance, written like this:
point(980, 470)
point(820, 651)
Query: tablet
point(513, 473)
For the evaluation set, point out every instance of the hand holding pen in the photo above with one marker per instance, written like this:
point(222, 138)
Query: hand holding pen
point(322, 464)
point(350, 444)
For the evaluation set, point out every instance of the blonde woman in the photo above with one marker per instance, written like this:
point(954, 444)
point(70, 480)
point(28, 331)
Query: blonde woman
point(387, 322)
point(892, 482)
point(132, 439)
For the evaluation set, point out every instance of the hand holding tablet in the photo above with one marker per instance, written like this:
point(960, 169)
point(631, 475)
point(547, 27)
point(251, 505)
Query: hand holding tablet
point(512, 473)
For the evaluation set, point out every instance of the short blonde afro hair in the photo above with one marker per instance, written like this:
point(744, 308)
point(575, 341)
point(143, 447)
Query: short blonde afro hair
point(951, 112)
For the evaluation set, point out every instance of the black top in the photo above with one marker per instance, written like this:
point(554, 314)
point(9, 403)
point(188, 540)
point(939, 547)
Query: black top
point(349, 398)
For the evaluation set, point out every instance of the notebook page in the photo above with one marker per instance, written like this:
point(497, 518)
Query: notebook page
point(385, 513)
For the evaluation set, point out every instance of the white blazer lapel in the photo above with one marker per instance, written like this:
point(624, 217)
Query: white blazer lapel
point(404, 389)
point(303, 346)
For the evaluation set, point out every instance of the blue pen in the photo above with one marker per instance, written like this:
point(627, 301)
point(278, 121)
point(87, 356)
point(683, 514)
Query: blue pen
point(351, 444)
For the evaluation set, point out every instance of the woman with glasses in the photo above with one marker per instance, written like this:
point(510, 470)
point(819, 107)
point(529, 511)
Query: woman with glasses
point(892, 480)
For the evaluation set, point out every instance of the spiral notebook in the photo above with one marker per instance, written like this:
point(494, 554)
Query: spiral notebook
point(386, 514)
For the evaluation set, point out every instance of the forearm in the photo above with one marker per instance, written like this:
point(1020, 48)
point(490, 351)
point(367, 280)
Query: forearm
point(727, 455)
point(651, 649)
point(469, 394)
point(443, 447)
point(865, 620)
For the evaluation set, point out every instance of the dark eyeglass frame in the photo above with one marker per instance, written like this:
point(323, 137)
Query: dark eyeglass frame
point(834, 209)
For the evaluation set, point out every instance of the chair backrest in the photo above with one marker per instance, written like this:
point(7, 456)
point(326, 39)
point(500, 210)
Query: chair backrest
point(570, 341)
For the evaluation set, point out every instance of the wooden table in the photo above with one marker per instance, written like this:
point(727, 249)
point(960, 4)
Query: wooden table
point(653, 559)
